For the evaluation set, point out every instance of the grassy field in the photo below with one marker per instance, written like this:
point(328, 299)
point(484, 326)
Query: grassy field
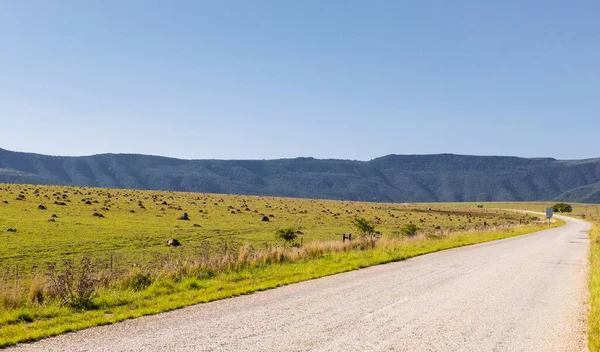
point(584, 211)
point(136, 224)
point(118, 265)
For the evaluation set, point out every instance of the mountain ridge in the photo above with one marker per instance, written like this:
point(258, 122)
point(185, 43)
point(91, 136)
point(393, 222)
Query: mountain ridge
point(390, 178)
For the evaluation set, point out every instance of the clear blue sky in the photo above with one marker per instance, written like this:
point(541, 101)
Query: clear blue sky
point(328, 79)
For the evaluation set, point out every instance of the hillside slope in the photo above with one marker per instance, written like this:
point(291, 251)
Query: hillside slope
point(395, 178)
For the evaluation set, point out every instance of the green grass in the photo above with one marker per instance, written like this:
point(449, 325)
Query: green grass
point(582, 210)
point(594, 285)
point(226, 250)
point(123, 239)
point(114, 304)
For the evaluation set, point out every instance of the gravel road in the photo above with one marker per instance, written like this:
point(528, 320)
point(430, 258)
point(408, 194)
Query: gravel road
point(526, 293)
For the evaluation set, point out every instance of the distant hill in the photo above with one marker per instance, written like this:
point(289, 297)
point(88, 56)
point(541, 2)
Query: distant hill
point(392, 178)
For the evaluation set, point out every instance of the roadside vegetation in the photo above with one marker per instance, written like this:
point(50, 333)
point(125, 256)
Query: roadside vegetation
point(581, 210)
point(72, 258)
point(594, 301)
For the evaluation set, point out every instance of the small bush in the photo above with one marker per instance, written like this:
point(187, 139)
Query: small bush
point(24, 316)
point(365, 227)
point(74, 287)
point(288, 235)
point(137, 280)
point(409, 230)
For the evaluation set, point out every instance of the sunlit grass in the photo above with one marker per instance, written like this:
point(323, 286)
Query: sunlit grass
point(227, 249)
point(115, 304)
point(594, 285)
point(122, 239)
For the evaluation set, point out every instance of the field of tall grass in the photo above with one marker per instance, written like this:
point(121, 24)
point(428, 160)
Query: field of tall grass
point(65, 268)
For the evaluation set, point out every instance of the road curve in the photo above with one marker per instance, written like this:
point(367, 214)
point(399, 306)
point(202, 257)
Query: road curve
point(525, 293)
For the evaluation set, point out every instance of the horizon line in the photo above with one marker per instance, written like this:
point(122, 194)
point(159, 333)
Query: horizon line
point(292, 158)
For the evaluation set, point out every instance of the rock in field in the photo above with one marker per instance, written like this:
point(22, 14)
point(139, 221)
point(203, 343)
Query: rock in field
point(173, 242)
